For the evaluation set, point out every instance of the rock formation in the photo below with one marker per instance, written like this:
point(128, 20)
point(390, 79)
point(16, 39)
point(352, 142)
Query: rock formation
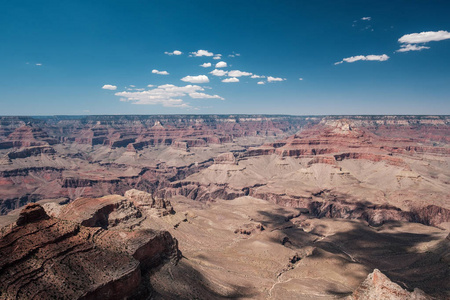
point(146, 201)
point(377, 286)
point(47, 258)
point(106, 212)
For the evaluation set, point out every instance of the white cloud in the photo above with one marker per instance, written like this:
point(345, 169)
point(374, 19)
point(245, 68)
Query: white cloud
point(237, 73)
point(216, 72)
point(409, 40)
point(257, 76)
point(167, 95)
point(205, 65)
point(218, 56)
point(261, 82)
point(160, 72)
point(221, 64)
point(300, 79)
point(232, 79)
point(409, 47)
point(38, 64)
point(201, 53)
point(132, 85)
point(196, 79)
point(176, 52)
point(272, 79)
point(352, 59)
point(109, 87)
point(424, 37)
point(197, 95)
point(366, 18)
point(150, 85)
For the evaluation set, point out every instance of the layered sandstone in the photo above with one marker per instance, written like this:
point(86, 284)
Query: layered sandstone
point(47, 258)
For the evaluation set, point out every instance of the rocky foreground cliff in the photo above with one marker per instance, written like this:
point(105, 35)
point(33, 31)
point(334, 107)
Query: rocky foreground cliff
point(86, 252)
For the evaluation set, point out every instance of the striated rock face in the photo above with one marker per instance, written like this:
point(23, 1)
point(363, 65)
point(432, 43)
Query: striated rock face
point(377, 286)
point(47, 258)
point(347, 141)
point(27, 136)
point(146, 201)
point(30, 151)
point(106, 212)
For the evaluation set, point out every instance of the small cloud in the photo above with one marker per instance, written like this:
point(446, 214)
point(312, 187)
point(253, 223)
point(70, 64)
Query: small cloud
point(109, 87)
point(257, 76)
point(131, 85)
point(221, 64)
point(197, 95)
point(196, 79)
point(217, 56)
point(366, 18)
point(232, 79)
point(160, 72)
point(38, 64)
point(300, 79)
point(176, 52)
point(273, 79)
point(205, 65)
point(150, 85)
point(216, 72)
point(86, 111)
point(237, 73)
point(424, 37)
point(352, 59)
point(201, 53)
point(409, 47)
point(261, 82)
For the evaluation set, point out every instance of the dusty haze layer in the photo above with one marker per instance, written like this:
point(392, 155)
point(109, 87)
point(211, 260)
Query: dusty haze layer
point(261, 207)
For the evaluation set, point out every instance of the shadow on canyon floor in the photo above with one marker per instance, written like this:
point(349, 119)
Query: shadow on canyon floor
point(183, 281)
point(411, 259)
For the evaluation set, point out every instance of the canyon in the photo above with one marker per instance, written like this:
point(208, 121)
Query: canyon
point(225, 206)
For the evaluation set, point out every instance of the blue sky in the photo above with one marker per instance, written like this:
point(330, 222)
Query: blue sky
point(97, 57)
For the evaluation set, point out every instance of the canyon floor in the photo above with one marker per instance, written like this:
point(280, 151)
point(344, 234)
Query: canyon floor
point(214, 207)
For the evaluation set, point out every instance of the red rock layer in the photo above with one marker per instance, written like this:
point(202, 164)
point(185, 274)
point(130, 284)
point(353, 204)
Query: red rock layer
point(345, 141)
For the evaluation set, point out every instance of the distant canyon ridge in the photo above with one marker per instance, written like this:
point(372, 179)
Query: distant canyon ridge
point(67, 157)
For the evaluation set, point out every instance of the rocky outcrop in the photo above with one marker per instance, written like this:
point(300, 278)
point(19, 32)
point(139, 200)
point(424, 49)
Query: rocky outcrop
point(48, 258)
point(146, 201)
point(30, 214)
point(226, 159)
point(378, 286)
point(106, 212)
